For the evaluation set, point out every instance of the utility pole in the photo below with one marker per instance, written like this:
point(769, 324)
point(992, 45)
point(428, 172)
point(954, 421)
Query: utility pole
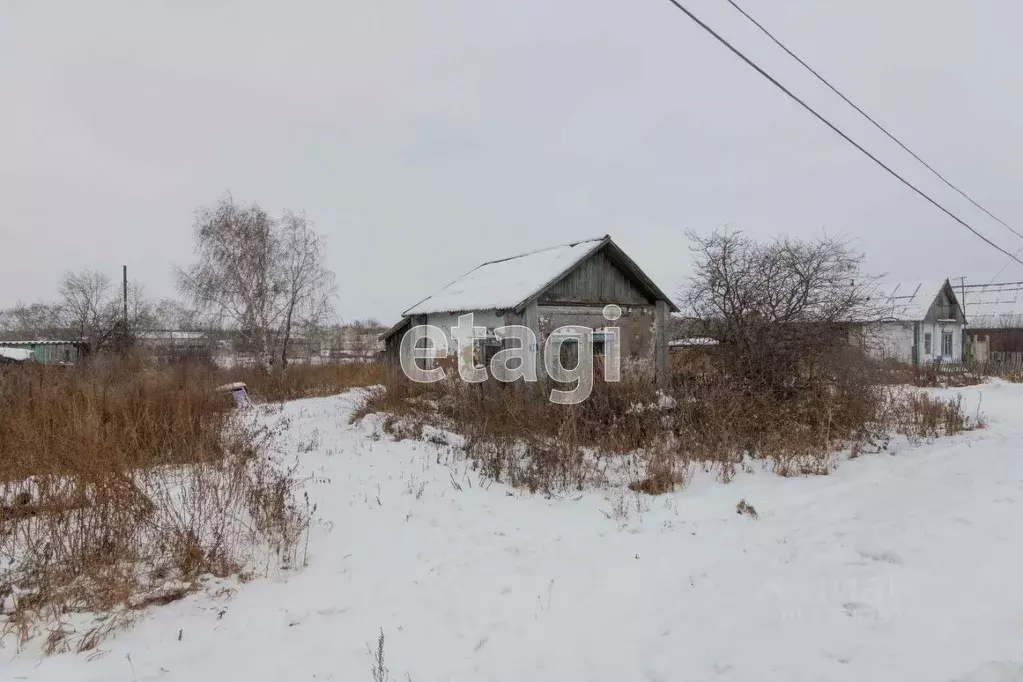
point(962, 291)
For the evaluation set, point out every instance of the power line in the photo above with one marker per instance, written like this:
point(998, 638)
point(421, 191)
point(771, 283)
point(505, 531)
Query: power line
point(831, 125)
point(1005, 265)
point(867, 116)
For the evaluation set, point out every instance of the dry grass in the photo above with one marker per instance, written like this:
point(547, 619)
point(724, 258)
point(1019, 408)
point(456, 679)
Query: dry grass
point(122, 486)
point(932, 375)
point(305, 380)
point(629, 433)
point(917, 414)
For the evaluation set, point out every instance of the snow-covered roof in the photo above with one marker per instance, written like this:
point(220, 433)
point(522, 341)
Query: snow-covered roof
point(908, 301)
point(992, 306)
point(40, 342)
point(15, 354)
point(506, 283)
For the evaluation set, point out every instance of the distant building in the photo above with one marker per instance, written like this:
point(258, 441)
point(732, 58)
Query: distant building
point(994, 324)
point(172, 344)
point(351, 341)
point(51, 352)
point(547, 289)
point(920, 323)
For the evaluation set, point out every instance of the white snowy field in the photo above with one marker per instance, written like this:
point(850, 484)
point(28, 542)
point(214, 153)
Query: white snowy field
point(904, 567)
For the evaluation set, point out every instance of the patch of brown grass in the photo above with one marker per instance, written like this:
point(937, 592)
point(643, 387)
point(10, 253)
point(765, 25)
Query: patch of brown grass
point(305, 380)
point(117, 478)
point(932, 375)
point(628, 432)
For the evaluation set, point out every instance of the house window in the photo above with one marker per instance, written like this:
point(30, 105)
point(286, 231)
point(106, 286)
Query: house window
point(927, 343)
point(485, 350)
point(946, 344)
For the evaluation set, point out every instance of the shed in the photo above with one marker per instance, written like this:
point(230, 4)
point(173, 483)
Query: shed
point(52, 352)
point(546, 289)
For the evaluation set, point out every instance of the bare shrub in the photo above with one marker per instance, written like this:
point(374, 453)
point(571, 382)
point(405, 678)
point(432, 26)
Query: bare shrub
point(928, 417)
point(628, 433)
point(664, 473)
point(513, 434)
point(779, 309)
point(122, 486)
point(786, 384)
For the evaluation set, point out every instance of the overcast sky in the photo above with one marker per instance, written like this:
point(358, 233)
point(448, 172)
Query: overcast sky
point(425, 137)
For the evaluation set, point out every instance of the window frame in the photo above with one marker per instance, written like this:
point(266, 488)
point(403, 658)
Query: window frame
point(951, 343)
point(928, 343)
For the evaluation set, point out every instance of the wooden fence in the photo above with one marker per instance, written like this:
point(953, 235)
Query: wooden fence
point(997, 363)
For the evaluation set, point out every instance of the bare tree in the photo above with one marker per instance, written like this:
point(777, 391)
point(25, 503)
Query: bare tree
point(39, 320)
point(169, 313)
point(90, 308)
point(258, 274)
point(310, 285)
point(141, 310)
point(778, 308)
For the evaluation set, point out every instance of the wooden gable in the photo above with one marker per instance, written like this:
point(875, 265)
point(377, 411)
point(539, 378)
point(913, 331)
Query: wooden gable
point(598, 279)
point(945, 306)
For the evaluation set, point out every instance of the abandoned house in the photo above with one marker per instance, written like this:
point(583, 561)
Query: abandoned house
point(919, 324)
point(547, 289)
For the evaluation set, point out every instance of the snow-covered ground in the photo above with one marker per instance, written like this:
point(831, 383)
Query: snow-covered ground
point(905, 567)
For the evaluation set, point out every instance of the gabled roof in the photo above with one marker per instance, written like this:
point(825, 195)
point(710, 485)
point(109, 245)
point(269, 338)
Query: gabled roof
point(911, 301)
point(508, 283)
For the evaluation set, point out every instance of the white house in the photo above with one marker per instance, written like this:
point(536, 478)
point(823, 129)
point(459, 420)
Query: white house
point(919, 323)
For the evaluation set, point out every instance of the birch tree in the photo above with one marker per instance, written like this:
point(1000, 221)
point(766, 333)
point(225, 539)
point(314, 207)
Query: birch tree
point(310, 285)
point(260, 275)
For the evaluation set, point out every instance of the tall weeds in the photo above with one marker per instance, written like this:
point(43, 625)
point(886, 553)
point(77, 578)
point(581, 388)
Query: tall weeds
point(629, 433)
point(122, 485)
point(305, 380)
